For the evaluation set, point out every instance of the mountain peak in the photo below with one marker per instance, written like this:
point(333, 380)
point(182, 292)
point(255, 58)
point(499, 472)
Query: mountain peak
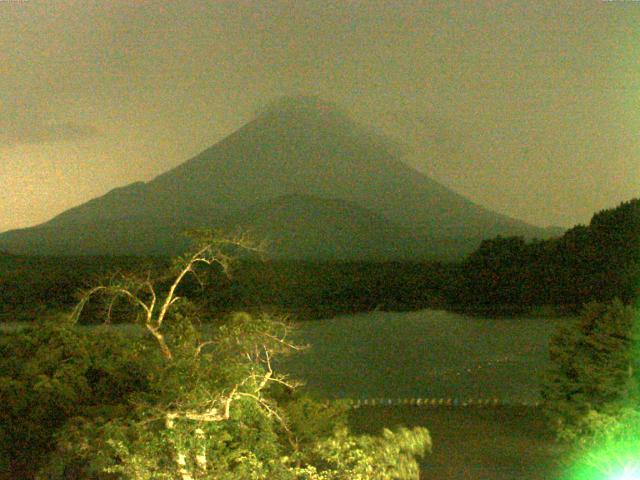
point(299, 144)
point(309, 106)
point(310, 119)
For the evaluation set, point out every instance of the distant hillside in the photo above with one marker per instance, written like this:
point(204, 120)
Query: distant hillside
point(306, 227)
point(553, 232)
point(299, 149)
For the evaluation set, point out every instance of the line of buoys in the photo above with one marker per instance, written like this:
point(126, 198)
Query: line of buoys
point(437, 402)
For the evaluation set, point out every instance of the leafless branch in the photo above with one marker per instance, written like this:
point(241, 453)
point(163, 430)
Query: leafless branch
point(201, 345)
point(142, 293)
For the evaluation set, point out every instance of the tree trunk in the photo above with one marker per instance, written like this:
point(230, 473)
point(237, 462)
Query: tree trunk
point(164, 348)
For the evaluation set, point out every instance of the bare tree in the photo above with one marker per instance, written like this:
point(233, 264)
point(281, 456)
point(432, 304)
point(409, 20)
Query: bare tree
point(211, 250)
point(251, 341)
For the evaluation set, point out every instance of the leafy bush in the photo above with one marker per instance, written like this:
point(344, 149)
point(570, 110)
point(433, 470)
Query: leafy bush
point(179, 402)
point(53, 372)
point(594, 369)
point(608, 447)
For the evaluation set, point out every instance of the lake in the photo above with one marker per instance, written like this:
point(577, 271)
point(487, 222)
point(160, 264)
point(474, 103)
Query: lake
point(422, 354)
point(428, 353)
point(438, 354)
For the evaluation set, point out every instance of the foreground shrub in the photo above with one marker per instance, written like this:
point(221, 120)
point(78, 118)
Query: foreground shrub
point(53, 372)
point(593, 368)
point(608, 447)
point(176, 401)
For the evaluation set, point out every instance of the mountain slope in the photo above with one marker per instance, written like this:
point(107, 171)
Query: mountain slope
point(304, 227)
point(298, 146)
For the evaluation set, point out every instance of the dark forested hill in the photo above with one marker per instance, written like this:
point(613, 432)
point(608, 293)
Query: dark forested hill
point(300, 146)
point(599, 261)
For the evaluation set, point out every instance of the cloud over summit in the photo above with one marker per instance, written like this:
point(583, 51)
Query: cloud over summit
point(37, 133)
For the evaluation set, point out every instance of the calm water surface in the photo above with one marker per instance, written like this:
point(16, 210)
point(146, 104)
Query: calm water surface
point(427, 353)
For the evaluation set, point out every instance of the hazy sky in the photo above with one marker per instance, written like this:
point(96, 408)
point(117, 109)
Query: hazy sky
point(531, 108)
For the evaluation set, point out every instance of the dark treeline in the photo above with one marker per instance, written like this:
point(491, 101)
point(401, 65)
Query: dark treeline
point(29, 285)
point(507, 275)
point(32, 284)
point(599, 262)
point(322, 289)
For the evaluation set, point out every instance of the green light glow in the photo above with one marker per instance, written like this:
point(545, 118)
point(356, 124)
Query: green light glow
point(629, 472)
point(614, 451)
point(627, 476)
point(620, 461)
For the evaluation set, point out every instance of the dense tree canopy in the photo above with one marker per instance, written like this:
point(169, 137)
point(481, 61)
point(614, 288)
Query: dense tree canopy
point(598, 262)
point(171, 398)
point(591, 395)
point(594, 368)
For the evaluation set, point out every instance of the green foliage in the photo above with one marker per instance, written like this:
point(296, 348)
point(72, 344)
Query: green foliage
point(325, 289)
point(390, 456)
point(495, 273)
point(593, 368)
point(52, 372)
point(92, 404)
point(31, 285)
point(598, 262)
point(608, 447)
point(184, 402)
point(309, 419)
